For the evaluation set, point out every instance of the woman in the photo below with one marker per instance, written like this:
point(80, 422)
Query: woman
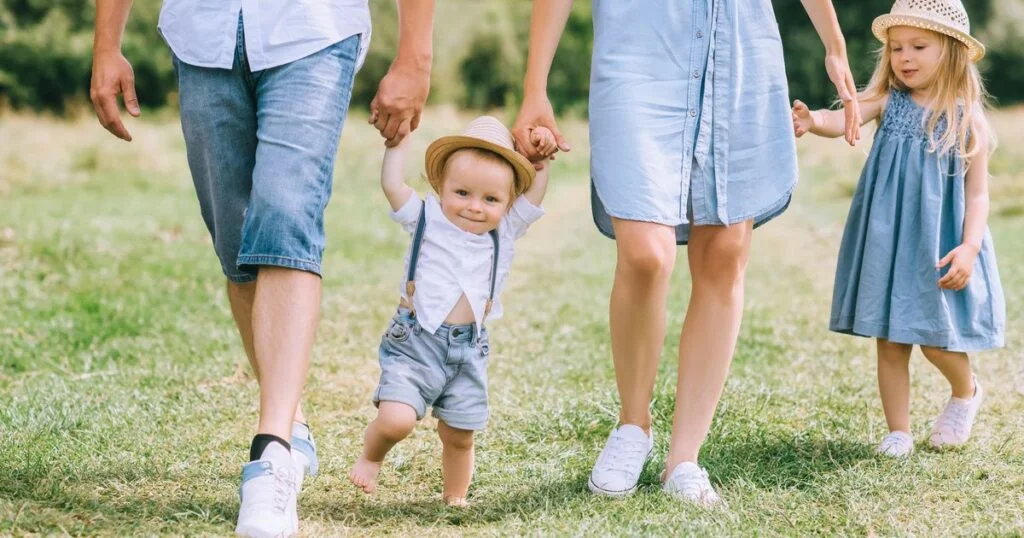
point(691, 140)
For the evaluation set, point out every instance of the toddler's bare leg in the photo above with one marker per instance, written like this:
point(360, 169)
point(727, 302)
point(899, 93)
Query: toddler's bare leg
point(393, 423)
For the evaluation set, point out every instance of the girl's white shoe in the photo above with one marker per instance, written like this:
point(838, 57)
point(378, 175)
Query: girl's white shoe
point(896, 445)
point(953, 427)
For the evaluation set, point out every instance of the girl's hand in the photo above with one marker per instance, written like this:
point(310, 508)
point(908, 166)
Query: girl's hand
point(543, 141)
point(838, 69)
point(961, 262)
point(804, 120)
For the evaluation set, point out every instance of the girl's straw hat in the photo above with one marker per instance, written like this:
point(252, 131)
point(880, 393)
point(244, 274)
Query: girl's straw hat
point(943, 16)
point(485, 132)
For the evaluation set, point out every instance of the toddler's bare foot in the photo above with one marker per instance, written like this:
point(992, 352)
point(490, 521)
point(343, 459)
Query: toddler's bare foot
point(364, 474)
point(456, 502)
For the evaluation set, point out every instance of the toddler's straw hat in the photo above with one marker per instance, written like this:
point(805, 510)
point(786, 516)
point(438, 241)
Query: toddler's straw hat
point(943, 16)
point(485, 132)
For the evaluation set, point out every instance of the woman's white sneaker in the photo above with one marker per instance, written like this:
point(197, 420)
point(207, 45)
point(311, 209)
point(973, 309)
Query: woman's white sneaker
point(896, 445)
point(618, 468)
point(954, 425)
point(689, 482)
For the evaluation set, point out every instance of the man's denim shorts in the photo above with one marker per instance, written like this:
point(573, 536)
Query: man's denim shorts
point(446, 370)
point(261, 148)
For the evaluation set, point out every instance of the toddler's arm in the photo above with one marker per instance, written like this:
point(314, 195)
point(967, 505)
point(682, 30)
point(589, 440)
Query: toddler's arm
point(392, 175)
point(540, 184)
point(831, 123)
point(544, 141)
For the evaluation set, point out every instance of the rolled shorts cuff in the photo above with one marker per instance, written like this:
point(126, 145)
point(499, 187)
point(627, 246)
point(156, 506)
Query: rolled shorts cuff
point(240, 278)
point(408, 396)
point(247, 260)
point(463, 420)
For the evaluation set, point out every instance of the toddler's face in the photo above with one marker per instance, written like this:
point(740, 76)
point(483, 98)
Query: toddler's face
point(476, 193)
point(914, 55)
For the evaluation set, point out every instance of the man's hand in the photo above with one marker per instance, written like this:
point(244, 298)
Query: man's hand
point(112, 75)
point(395, 110)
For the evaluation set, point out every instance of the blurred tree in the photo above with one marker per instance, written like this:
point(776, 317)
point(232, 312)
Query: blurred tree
point(479, 52)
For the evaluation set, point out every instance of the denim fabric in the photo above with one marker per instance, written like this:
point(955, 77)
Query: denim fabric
point(446, 370)
point(689, 114)
point(906, 214)
point(261, 147)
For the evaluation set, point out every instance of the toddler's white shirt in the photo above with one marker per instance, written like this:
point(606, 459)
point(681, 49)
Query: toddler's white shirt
point(453, 261)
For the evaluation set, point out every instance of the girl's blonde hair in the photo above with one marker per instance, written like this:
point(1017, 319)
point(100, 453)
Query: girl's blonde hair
point(959, 96)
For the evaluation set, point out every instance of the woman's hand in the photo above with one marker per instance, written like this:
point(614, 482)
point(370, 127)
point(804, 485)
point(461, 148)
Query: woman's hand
point(536, 112)
point(838, 69)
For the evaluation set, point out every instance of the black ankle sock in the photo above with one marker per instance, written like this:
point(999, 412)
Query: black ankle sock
point(260, 442)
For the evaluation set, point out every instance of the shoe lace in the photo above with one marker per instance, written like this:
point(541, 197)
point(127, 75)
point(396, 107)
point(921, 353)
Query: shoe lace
point(695, 484)
point(283, 487)
point(623, 454)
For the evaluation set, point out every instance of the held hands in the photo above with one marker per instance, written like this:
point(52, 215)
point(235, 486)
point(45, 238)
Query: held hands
point(112, 75)
point(544, 143)
point(961, 262)
point(804, 119)
point(535, 114)
point(395, 110)
point(838, 69)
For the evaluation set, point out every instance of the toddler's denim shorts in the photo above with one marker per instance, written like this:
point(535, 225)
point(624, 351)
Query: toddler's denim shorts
point(446, 370)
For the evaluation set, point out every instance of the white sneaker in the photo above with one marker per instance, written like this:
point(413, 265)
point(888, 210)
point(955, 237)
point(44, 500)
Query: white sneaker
point(619, 466)
point(268, 495)
point(953, 427)
point(896, 445)
point(689, 482)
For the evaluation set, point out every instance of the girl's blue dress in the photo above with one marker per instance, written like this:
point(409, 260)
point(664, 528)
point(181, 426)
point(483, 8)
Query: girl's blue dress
point(907, 213)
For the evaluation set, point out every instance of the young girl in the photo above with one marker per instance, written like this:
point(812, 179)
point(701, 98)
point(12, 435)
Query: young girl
point(435, 351)
point(916, 264)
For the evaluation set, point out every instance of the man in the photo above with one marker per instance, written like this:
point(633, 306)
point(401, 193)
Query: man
point(264, 89)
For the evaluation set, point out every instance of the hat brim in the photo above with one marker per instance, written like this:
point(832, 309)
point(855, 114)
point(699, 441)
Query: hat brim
point(880, 27)
point(442, 148)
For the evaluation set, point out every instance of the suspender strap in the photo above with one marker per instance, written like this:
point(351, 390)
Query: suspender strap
point(494, 274)
point(417, 242)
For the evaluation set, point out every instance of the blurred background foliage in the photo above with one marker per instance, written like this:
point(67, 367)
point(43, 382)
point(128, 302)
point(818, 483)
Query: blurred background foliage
point(479, 52)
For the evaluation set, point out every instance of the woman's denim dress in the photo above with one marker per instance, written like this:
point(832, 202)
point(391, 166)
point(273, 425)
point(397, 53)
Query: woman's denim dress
point(689, 114)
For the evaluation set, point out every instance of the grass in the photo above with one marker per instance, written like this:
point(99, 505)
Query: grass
point(128, 405)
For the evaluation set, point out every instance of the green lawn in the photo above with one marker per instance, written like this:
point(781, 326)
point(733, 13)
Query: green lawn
point(127, 405)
